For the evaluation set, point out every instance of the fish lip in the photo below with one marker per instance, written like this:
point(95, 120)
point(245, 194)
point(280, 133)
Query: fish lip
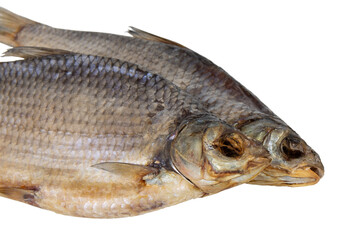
point(302, 176)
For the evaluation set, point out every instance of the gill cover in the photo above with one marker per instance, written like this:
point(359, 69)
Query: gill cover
point(214, 155)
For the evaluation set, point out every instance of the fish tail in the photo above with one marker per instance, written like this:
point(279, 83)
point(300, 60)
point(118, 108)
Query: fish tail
point(10, 25)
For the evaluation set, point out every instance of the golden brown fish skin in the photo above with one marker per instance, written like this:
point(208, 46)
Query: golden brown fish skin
point(92, 193)
point(91, 136)
point(222, 94)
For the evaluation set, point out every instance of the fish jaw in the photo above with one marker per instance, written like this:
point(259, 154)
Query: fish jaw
point(303, 176)
point(294, 163)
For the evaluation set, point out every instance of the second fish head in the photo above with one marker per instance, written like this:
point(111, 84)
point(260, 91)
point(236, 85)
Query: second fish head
point(294, 162)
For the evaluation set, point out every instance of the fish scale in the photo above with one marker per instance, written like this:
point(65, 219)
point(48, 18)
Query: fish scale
point(27, 147)
point(91, 136)
point(173, 63)
point(83, 109)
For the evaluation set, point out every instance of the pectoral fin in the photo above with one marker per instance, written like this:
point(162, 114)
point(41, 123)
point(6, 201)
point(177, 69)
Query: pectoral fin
point(22, 194)
point(31, 52)
point(126, 169)
point(137, 33)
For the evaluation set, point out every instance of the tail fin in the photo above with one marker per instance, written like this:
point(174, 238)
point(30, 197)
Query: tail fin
point(10, 25)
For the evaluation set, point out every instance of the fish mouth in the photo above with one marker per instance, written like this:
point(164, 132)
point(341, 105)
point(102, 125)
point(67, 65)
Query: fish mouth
point(302, 176)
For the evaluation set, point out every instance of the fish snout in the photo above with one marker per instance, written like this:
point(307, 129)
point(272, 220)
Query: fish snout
point(316, 167)
point(294, 149)
point(308, 173)
point(318, 170)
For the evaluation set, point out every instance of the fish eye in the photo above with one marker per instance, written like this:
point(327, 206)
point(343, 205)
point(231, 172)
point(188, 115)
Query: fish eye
point(292, 147)
point(229, 146)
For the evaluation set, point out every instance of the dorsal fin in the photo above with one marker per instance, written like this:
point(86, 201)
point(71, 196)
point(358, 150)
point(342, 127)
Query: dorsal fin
point(138, 33)
point(31, 52)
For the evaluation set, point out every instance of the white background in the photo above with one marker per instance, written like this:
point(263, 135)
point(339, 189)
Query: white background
point(301, 58)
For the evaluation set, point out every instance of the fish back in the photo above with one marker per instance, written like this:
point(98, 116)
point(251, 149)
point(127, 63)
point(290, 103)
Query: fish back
point(184, 67)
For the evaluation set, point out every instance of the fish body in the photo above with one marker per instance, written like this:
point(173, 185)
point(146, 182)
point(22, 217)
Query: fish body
point(98, 137)
point(294, 163)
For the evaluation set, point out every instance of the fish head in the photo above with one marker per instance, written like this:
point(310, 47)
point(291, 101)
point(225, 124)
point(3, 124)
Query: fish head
point(215, 156)
point(294, 163)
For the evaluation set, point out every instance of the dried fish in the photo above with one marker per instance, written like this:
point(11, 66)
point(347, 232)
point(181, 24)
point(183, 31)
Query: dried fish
point(97, 137)
point(294, 163)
